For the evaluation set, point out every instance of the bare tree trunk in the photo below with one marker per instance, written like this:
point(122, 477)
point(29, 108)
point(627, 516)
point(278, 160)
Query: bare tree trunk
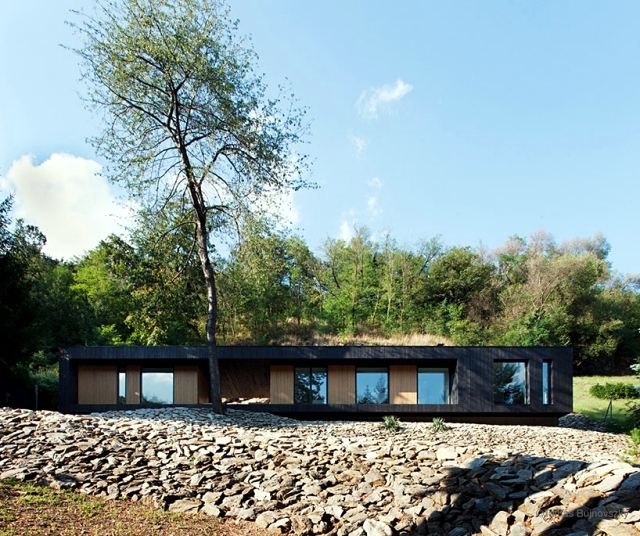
point(202, 240)
point(212, 316)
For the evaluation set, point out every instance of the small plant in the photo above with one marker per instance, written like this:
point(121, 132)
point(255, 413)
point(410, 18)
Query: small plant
point(614, 391)
point(439, 425)
point(390, 423)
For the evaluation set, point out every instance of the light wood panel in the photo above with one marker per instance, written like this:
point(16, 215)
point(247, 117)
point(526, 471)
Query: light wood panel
point(342, 384)
point(133, 385)
point(97, 385)
point(403, 384)
point(203, 388)
point(185, 384)
point(281, 384)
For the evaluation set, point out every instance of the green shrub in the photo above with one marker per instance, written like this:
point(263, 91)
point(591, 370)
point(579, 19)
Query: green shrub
point(634, 445)
point(390, 423)
point(615, 391)
point(439, 425)
point(47, 381)
point(633, 409)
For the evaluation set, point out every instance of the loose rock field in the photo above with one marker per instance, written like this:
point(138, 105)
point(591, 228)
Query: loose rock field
point(347, 479)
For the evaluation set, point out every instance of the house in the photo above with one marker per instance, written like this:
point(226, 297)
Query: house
point(506, 385)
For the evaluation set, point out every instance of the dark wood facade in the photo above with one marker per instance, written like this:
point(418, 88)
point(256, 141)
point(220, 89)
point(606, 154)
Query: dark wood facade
point(267, 372)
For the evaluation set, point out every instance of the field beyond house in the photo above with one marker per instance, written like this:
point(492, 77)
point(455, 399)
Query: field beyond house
point(595, 408)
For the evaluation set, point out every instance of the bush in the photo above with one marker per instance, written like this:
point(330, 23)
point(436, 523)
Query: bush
point(390, 423)
point(634, 445)
point(439, 425)
point(633, 409)
point(47, 381)
point(615, 391)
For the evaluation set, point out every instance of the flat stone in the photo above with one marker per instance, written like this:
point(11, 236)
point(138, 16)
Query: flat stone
point(610, 483)
point(446, 453)
point(210, 509)
point(373, 527)
point(185, 506)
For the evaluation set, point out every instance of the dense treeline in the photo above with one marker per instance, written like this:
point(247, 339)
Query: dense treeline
point(274, 290)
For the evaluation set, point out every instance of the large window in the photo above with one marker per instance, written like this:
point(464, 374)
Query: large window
point(509, 382)
point(546, 382)
point(310, 385)
point(372, 385)
point(157, 386)
point(433, 386)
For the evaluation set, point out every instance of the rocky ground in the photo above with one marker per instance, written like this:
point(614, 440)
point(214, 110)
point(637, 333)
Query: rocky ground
point(348, 479)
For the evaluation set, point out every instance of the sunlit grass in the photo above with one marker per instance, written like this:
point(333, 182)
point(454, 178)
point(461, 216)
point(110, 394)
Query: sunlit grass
point(595, 408)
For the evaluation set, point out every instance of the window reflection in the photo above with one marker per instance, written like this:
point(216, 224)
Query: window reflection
point(157, 386)
point(122, 386)
point(546, 382)
point(509, 382)
point(372, 386)
point(433, 386)
point(310, 385)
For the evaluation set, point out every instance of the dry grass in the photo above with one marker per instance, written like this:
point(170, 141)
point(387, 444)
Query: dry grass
point(415, 339)
point(27, 509)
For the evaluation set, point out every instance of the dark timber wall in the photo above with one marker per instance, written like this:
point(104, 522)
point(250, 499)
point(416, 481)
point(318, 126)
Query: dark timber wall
point(248, 372)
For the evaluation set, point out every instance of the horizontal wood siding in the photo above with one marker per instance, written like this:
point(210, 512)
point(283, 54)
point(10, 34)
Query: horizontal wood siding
point(97, 385)
point(403, 384)
point(185, 384)
point(281, 384)
point(342, 384)
point(133, 385)
point(203, 388)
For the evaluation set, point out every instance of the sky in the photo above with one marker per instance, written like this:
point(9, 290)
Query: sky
point(472, 121)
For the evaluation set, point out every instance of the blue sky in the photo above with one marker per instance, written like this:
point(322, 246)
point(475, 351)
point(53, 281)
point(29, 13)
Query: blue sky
point(472, 120)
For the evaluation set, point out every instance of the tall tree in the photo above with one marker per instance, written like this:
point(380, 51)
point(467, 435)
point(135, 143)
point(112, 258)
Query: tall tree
point(187, 120)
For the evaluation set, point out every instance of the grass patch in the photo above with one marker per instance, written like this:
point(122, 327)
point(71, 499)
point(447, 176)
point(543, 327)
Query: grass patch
point(594, 408)
point(30, 510)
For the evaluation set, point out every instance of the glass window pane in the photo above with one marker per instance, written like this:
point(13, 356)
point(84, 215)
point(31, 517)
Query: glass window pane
point(546, 382)
point(122, 387)
point(157, 386)
point(372, 386)
point(433, 386)
point(310, 385)
point(318, 385)
point(301, 386)
point(509, 382)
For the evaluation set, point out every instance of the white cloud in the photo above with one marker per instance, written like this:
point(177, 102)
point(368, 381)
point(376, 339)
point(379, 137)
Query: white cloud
point(347, 227)
point(360, 144)
point(374, 99)
point(372, 206)
point(375, 183)
point(346, 231)
point(67, 199)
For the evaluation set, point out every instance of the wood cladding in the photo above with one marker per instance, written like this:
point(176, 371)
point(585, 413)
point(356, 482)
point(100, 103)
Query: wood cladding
point(185, 384)
point(133, 385)
point(203, 388)
point(281, 384)
point(244, 379)
point(97, 385)
point(342, 384)
point(403, 384)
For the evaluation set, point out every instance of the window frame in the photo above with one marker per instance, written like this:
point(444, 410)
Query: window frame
point(547, 394)
point(157, 370)
point(525, 381)
point(447, 384)
point(310, 371)
point(373, 370)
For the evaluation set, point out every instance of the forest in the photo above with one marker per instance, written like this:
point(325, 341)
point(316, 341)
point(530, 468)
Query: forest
point(146, 289)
